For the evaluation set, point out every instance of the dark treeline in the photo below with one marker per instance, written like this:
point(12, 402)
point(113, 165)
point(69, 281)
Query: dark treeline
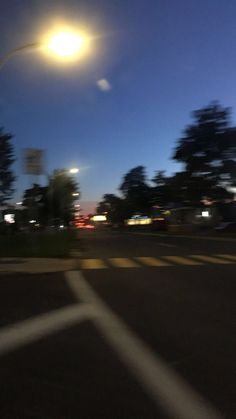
point(207, 151)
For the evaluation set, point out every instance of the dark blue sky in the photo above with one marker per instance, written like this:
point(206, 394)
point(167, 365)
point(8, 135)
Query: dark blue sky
point(163, 58)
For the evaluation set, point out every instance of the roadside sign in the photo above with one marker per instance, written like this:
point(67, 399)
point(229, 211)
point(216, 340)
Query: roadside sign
point(33, 161)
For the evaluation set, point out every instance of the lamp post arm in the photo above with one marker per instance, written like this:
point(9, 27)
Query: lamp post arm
point(16, 51)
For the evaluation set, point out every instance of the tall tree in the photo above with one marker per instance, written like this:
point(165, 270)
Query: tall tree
point(161, 192)
point(113, 206)
point(53, 203)
point(136, 191)
point(208, 152)
point(36, 203)
point(61, 190)
point(6, 160)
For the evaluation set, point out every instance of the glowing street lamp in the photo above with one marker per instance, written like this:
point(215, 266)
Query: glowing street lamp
point(65, 44)
point(74, 170)
point(75, 194)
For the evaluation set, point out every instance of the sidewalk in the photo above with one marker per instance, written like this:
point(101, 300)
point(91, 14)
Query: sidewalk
point(35, 265)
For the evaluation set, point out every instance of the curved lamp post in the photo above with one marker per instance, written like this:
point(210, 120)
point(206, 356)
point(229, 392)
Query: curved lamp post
point(64, 44)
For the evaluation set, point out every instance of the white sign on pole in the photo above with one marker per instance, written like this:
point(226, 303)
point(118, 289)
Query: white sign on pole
point(33, 161)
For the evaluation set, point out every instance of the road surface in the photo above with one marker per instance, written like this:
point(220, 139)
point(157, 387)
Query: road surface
point(145, 328)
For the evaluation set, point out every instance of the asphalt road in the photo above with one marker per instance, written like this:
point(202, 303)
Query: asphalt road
point(159, 301)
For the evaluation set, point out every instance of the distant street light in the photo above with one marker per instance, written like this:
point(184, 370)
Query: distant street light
point(74, 170)
point(75, 194)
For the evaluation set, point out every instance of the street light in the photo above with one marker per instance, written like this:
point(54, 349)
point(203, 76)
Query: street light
point(15, 51)
point(75, 194)
point(74, 170)
point(65, 44)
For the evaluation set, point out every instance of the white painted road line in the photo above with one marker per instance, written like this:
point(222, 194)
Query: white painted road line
point(160, 382)
point(30, 330)
point(166, 244)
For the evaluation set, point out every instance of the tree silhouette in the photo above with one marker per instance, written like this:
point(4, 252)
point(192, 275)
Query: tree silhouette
point(113, 206)
point(61, 200)
point(161, 192)
point(6, 160)
point(208, 152)
point(35, 201)
point(53, 203)
point(136, 191)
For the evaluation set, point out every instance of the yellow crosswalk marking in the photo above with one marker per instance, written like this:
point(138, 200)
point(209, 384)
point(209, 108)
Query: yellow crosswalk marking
point(123, 263)
point(210, 259)
point(93, 264)
point(180, 260)
point(151, 261)
point(230, 257)
point(158, 262)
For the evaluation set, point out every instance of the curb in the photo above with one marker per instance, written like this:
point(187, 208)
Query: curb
point(35, 265)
